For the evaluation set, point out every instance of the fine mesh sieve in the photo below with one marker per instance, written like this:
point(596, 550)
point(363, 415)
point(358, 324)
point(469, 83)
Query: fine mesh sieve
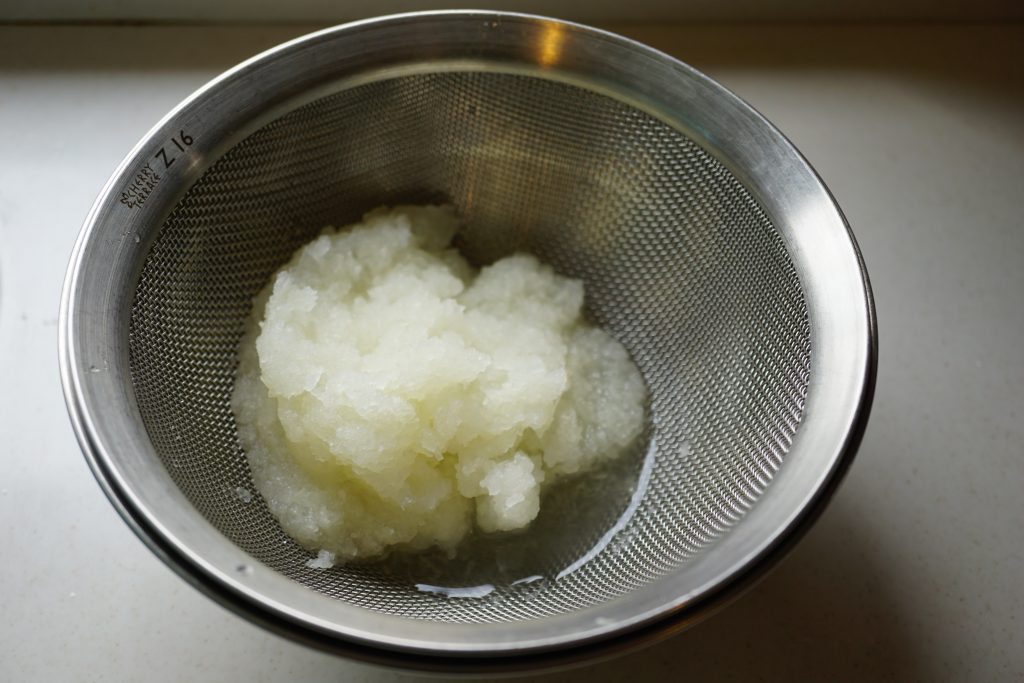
point(706, 244)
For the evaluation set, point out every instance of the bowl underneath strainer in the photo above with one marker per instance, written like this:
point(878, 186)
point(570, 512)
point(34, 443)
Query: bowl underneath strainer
point(688, 263)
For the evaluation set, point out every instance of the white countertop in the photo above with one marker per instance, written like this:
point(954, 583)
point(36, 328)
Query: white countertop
point(916, 570)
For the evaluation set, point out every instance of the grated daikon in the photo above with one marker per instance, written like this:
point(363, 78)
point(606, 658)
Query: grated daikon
point(389, 395)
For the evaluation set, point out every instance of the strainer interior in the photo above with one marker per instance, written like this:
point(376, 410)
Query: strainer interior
point(678, 260)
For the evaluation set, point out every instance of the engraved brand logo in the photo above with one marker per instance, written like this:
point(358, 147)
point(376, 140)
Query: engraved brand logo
point(144, 182)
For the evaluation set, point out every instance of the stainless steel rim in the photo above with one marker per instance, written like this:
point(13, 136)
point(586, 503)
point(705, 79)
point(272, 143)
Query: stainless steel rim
point(93, 366)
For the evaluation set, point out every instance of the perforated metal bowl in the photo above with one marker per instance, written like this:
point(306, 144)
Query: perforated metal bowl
point(708, 246)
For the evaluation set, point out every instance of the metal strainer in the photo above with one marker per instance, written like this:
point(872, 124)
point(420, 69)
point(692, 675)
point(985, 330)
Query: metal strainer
point(707, 245)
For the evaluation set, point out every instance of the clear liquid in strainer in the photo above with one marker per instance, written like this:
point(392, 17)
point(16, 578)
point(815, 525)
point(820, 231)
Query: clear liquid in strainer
point(580, 516)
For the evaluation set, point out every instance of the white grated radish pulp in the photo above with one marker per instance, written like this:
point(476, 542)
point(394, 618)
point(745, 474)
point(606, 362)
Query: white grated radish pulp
point(390, 395)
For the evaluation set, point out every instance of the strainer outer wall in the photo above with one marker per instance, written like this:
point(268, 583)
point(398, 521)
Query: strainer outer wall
point(96, 302)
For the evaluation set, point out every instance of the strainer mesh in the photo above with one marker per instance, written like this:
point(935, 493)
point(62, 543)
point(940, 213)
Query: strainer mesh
point(680, 263)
